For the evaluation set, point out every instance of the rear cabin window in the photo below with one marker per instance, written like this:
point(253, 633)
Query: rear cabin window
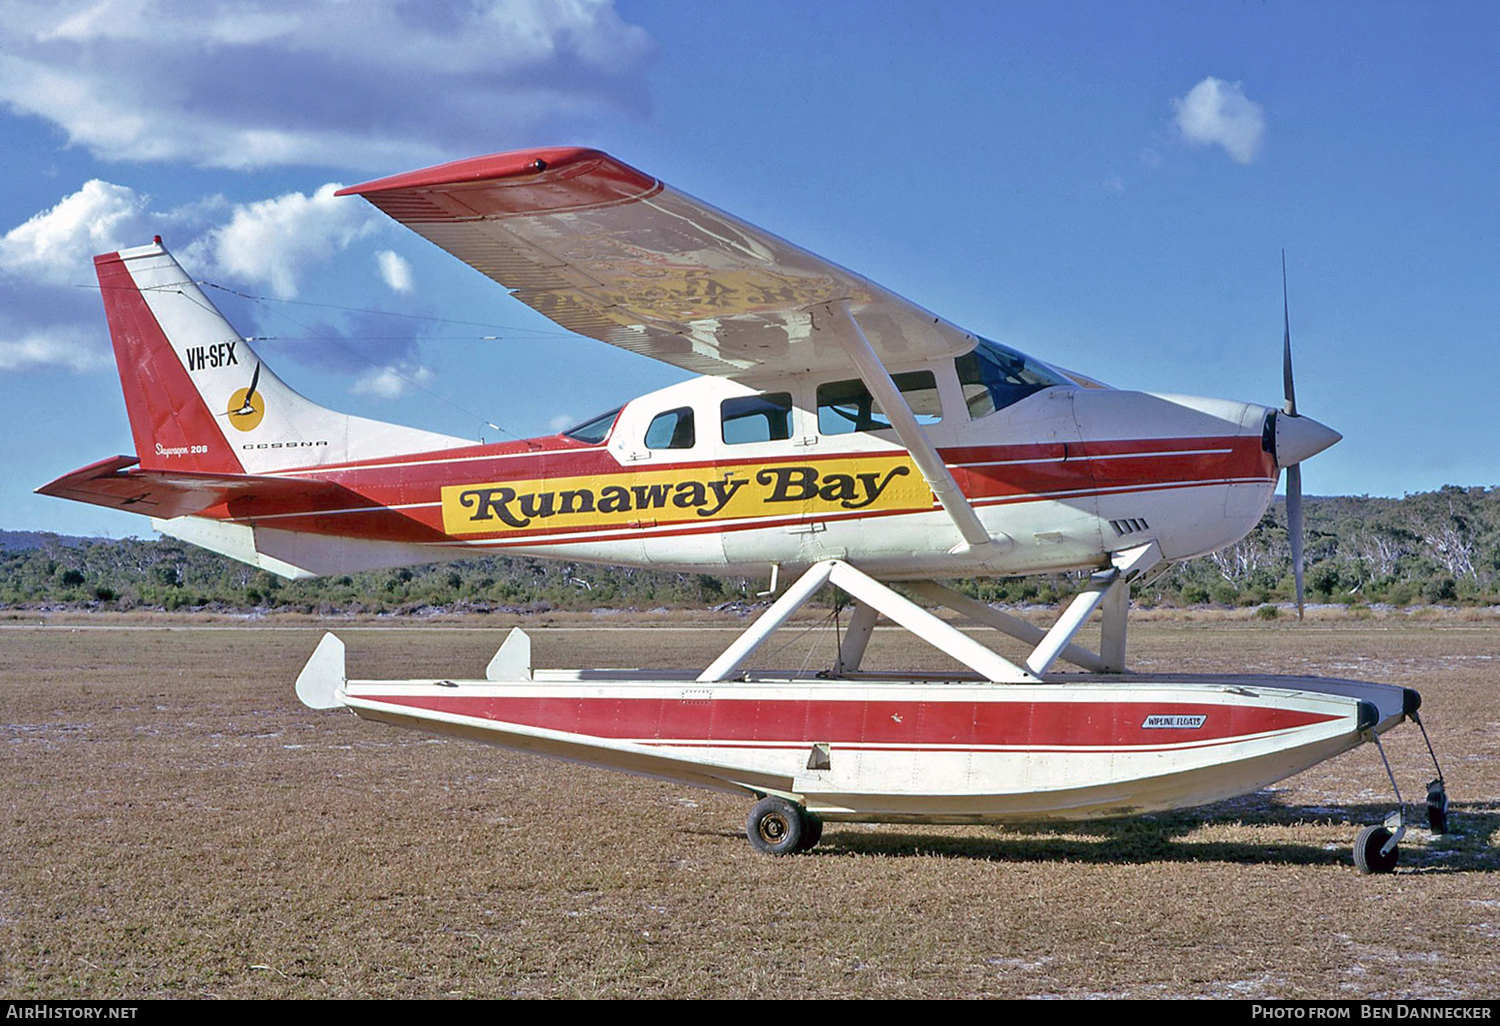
point(757, 418)
point(846, 406)
point(672, 430)
point(993, 377)
point(594, 431)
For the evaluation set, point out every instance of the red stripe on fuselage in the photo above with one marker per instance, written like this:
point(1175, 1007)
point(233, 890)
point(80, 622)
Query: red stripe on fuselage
point(964, 724)
point(989, 475)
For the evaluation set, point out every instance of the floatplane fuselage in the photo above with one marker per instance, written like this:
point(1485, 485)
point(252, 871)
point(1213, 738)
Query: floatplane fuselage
point(835, 431)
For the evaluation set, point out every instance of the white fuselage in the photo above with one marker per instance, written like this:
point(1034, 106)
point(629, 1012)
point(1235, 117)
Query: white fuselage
point(1060, 479)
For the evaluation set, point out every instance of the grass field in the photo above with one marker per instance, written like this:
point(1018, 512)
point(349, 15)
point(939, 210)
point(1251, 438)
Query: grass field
point(176, 824)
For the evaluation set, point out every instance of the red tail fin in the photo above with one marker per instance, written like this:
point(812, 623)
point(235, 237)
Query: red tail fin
point(199, 397)
point(172, 426)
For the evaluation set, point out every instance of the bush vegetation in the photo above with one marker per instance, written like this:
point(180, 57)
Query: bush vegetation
point(1438, 547)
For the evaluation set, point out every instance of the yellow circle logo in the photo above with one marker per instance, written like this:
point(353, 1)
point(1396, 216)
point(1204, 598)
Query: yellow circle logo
point(246, 408)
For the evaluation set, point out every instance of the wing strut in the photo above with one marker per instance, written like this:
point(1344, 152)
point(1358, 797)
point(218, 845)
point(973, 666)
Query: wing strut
point(878, 380)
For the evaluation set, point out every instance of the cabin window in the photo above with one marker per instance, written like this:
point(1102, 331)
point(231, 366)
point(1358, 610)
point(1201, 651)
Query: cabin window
point(757, 418)
point(846, 406)
point(993, 377)
point(594, 431)
point(671, 430)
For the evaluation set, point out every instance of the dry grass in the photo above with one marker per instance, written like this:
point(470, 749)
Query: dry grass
point(178, 825)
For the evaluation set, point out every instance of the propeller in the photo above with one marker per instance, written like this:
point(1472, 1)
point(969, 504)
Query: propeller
point(1293, 472)
point(1293, 439)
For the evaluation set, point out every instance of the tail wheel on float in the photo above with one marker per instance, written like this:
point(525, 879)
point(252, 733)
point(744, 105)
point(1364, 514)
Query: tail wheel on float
point(1370, 855)
point(779, 827)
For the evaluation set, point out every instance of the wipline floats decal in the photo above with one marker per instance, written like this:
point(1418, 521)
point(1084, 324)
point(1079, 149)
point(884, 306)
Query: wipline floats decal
point(687, 495)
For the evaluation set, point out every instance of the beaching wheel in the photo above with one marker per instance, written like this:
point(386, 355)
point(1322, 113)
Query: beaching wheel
point(775, 826)
point(1368, 857)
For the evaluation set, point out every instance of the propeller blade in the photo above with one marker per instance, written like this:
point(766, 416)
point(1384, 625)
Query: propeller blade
point(1286, 347)
point(1294, 526)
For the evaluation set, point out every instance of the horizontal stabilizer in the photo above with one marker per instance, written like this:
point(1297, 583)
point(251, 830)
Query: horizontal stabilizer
point(175, 493)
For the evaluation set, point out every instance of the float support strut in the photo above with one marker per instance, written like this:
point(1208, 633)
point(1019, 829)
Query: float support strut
point(881, 600)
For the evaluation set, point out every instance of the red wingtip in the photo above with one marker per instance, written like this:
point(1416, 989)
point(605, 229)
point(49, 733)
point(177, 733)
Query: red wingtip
point(514, 164)
point(525, 182)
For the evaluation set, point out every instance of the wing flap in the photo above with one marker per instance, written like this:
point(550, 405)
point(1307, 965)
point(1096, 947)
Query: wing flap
point(607, 251)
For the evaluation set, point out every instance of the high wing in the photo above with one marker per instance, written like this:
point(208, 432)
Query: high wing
point(610, 252)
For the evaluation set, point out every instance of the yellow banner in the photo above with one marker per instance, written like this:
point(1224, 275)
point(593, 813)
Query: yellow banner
point(704, 494)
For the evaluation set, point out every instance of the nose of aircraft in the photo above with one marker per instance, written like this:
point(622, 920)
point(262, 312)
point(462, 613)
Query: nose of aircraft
point(1298, 438)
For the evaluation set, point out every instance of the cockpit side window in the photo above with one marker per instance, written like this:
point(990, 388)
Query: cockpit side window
point(757, 418)
point(594, 431)
point(672, 430)
point(846, 406)
point(994, 376)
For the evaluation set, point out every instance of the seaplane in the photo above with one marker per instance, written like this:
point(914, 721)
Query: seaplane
point(835, 434)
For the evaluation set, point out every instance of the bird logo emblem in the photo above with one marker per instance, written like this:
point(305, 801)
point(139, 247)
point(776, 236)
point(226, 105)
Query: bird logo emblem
point(247, 406)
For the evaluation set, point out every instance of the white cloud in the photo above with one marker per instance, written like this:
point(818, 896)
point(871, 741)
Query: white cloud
point(394, 271)
point(391, 382)
point(1218, 113)
point(45, 320)
point(56, 245)
point(270, 242)
point(561, 422)
point(61, 346)
point(379, 85)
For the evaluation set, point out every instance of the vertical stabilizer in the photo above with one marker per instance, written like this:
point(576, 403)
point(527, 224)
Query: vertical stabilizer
point(171, 423)
point(201, 399)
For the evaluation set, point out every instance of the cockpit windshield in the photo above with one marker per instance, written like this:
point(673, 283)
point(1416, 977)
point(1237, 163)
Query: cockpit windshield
point(594, 431)
point(994, 376)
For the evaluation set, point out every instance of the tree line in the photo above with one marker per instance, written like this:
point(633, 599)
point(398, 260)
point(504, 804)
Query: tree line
point(1439, 547)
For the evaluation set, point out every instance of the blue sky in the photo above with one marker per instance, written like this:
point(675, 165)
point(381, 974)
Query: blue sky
point(1107, 186)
